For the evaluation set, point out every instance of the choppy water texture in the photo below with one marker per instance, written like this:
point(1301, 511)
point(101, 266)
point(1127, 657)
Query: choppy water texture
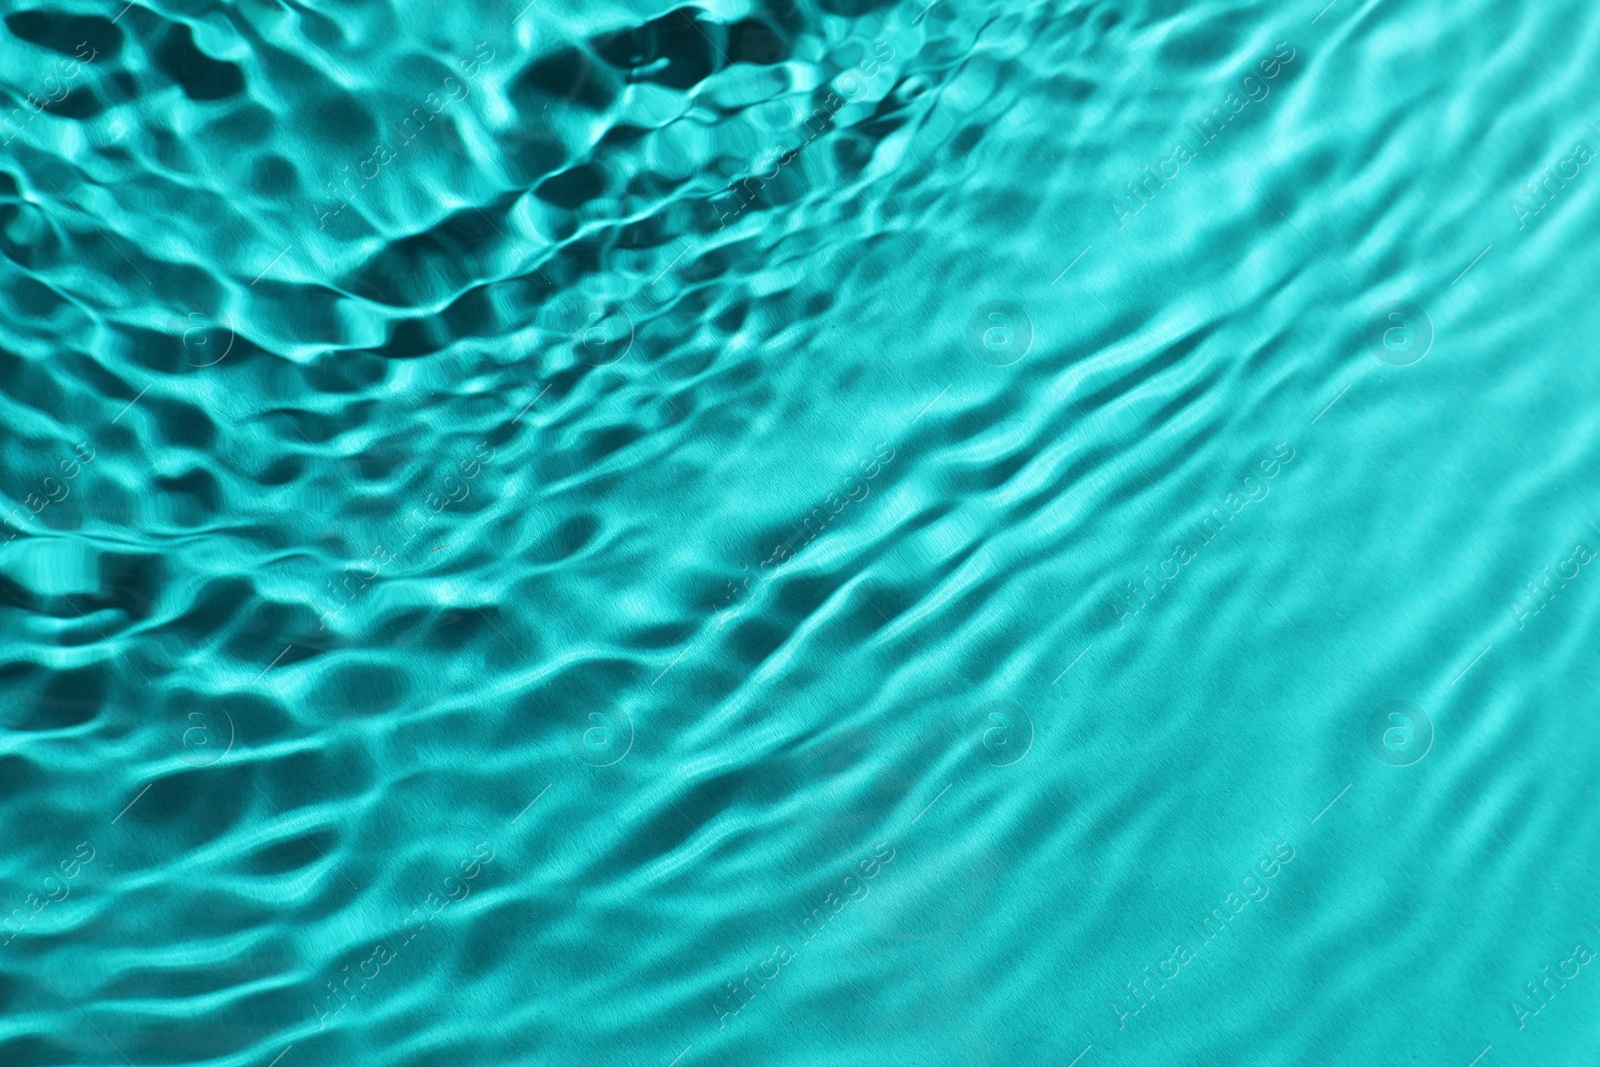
point(772, 533)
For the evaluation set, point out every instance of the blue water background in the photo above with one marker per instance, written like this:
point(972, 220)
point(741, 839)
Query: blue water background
point(964, 533)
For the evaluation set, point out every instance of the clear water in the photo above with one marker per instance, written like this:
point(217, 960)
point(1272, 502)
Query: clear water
point(957, 534)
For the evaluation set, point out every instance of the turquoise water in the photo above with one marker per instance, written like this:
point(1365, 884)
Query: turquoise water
point(852, 534)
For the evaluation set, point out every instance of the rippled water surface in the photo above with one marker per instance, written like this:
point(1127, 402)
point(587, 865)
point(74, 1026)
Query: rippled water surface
point(794, 533)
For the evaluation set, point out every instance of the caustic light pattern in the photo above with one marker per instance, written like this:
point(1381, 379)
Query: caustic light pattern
point(799, 532)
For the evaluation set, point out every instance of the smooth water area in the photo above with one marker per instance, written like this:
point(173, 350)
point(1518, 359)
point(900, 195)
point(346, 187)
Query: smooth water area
point(806, 534)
